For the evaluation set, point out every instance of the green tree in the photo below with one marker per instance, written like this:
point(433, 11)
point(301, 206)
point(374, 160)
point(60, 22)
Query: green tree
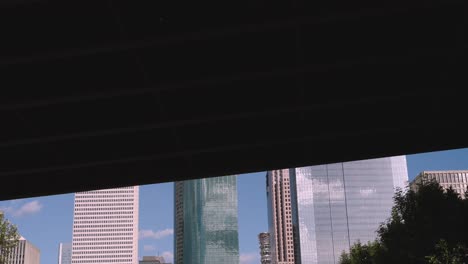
point(426, 225)
point(9, 238)
point(362, 254)
point(419, 220)
point(444, 254)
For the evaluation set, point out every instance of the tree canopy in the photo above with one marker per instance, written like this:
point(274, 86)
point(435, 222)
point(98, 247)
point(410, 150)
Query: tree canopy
point(429, 225)
point(9, 238)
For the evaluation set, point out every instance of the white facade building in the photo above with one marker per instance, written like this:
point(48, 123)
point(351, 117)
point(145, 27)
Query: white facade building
point(105, 226)
point(65, 251)
point(24, 253)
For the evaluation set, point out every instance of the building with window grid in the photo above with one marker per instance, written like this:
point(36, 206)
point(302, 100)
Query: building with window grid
point(280, 217)
point(207, 211)
point(457, 179)
point(105, 226)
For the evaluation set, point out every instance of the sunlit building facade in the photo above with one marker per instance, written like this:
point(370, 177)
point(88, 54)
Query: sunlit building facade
point(457, 179)
point(207, 210)
point(335, 205)
point(280, 216)
point(105, 226)
point(65, 251)
point(24, 253)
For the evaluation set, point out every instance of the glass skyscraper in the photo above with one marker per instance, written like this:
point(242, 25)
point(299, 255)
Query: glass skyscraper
point(335, 205)
point(206, 221)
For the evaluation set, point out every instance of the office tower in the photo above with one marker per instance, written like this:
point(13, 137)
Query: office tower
point(153, 260)
point(105, 226)
point(65, 251)
point(280, 216)
point(335, 205)
point(24, 253)
point(264, 241)
point(179, 222)
point(457, 179)
point(207, 211)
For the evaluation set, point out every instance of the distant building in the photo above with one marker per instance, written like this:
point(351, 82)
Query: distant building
point(264, 241)
point(105, 226)
point(457, 179)
point(280, 216)
point(206, 225)
point(65, 252)
point(153, 260)
point(24, 253)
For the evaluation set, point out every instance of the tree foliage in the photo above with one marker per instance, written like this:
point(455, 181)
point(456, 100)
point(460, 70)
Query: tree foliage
point(426, 226)
point(362, 253)
point(9, 238)
point(444, 254)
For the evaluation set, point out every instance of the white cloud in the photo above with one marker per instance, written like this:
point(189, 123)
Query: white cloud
point(149, 248)
point(26, 209)
point(249, 258)
point(168, 256)
point(156, 235)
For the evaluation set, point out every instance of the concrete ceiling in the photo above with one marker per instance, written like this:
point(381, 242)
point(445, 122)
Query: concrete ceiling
point(99, 94)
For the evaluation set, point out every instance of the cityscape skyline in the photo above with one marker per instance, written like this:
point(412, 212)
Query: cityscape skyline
point(155, 228)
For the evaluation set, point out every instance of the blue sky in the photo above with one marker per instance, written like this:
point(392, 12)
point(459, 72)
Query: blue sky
point(47, 221)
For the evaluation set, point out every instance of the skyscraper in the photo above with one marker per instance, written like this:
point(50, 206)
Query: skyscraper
point(206, 209)
point(335, 205)
point(265, 249)
point(24, 253)
point(65, 251)
point(280, 216)
point(457, 179)
point(105, 226)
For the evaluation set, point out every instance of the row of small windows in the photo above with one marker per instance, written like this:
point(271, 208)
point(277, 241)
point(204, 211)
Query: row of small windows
point(103, 243)
point(102, 204)
point(101, 256)
point(102, 221)
point(103, 209)
point(101, 252)
point(106, 213)
point(103, 238)
point(104, 247)
point(109, 191)
point(101, 226)
point(102, 217)
point(448, 178)
point(102, 230)
point(83, 200)
point(103, 260)
point(103, 234)
point(115, 196)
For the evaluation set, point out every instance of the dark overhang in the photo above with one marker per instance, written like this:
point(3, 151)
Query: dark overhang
point(99, 94)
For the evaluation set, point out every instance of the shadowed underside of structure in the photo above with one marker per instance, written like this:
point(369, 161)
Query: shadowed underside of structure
point(99, 94)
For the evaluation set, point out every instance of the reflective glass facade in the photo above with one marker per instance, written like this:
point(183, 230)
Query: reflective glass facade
point(209, 220)
point(335, 205)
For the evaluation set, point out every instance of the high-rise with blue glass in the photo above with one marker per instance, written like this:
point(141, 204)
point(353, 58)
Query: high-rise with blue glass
point(335, 205)
point(206, 226)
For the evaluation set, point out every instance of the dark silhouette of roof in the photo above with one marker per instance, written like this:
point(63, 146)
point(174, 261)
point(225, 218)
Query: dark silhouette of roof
point(99, 94)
